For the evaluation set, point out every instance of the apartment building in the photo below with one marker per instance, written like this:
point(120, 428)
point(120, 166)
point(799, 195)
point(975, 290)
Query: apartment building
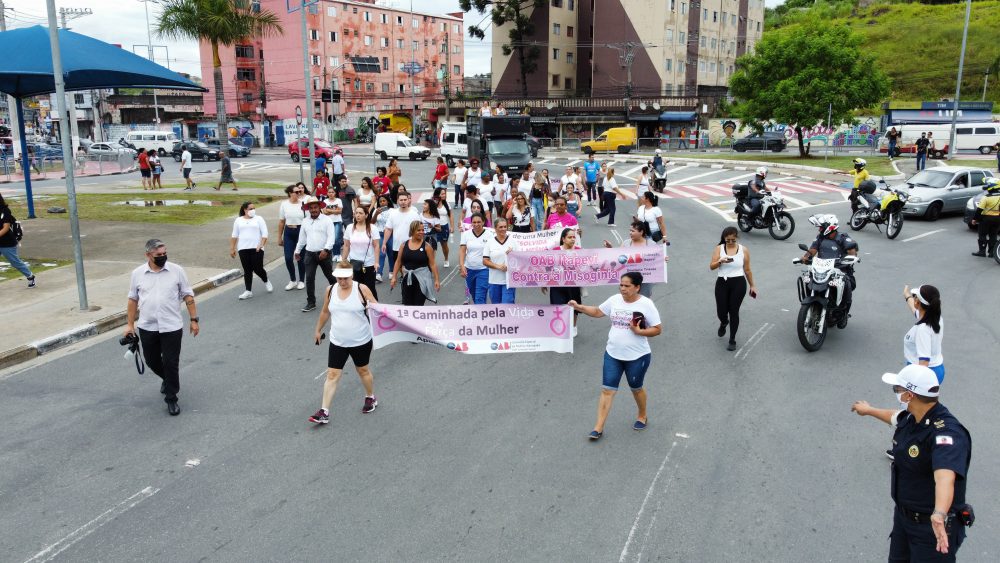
point(364, 48)
point(680, 47)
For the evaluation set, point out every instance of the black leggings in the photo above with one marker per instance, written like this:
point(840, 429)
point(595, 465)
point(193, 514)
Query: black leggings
point(253, 263)
point(729, 294)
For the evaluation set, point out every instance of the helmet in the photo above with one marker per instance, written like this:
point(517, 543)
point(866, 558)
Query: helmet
point(658, 151)
point(992, 185)
point(762, 171)
point(860, 163)
point(827, 223)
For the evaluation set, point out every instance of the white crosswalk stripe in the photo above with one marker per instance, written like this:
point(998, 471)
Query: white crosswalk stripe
point(716, 190)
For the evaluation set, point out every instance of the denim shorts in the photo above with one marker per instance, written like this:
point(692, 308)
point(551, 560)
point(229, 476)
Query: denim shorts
point(444, 233)
point(634, 370)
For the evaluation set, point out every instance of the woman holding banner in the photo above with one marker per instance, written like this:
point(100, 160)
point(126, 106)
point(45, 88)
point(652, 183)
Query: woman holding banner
point(634, 319)
point(638, 235)
point(495, 258)
point(562, 295)
point(415, 261)
point(520, 215)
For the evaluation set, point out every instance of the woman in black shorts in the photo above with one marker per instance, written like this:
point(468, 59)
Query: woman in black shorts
point(346, 307)
point(562, 295)
point(417, 268)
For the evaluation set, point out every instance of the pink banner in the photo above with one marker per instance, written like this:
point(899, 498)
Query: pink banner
point(585, 267)
point(476, 329)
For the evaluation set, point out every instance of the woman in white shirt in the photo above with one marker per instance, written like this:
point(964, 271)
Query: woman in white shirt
point(732, 260)
point(290, 216)
point(379, 215)
point(501, 183)
point(366, 195)
point(922, 343)
point(361, 247)
point(650, 213)
point(642, 182)
point(609, 195)
point(458, 178)
point(248, 239)
point(495, 258)
point(634, 319)
point(470, 259)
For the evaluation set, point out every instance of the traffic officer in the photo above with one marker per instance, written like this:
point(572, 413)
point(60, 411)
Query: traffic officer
point(932, 451)
point(988, 218)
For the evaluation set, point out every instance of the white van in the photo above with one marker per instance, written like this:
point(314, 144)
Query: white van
point(399, 146)
point(454, 142)
point(162, 141)
point(980, 136)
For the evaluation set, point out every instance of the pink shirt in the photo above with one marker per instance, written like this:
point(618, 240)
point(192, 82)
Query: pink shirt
point(557, 221)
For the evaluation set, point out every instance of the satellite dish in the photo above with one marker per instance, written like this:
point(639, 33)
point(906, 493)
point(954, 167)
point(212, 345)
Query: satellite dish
point(550, 105)
point(656, 106)
point(642, 106)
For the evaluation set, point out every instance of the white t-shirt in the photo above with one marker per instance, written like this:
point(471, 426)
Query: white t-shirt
point(291, 213)
point(565, 181)
point(186, 159)
point(486, 190)
point(399, 221)
point(249, 231)
point(460, 172)
point(362, 247)
point(335, 202)
point(475, 177)
point(921, 343)
point(474, 247)
point(430, 223)
point(497, 253)
point(503, 188)
point(610, 184)
point(650, 216)
point(623, 344)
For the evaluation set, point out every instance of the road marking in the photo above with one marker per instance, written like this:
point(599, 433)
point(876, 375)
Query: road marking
point(321, 374)
point(740, 177)
point(62, 545)
point(801, 204)
point(572, 163)
point(451, 275)
point(689, 178)
point(753, 341)
point(631, 171)
point(922, 235)
point(724, 214)
point(630, 542)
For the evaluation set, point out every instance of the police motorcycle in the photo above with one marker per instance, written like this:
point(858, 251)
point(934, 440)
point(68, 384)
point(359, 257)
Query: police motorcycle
point(821, 293)
point(659, 174)
point(885, 210)
point(772, 215)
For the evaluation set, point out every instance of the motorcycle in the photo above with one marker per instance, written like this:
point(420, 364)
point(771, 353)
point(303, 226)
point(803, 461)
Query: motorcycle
point(888, 211)
point(772, 216)
point(659, 177)
point(821, 291)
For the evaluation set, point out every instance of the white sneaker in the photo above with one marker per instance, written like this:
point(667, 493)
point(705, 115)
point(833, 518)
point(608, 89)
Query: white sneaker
point(269, 286)
point(246, 295)
point(302, 285)
point(290, 286)
point(446, 265)
point(378, 278)
point(574, 332)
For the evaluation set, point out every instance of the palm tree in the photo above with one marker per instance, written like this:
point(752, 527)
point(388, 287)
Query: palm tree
point(220, 23)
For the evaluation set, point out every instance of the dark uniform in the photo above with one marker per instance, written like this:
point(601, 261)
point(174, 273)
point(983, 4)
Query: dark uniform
point(939, 441)
point(988, 216)
point(837, 247)
point(757, 183)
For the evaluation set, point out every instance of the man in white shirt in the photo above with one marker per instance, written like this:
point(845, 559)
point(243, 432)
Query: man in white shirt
point(399, 223)
point(155, 293)
point(186, 169)
point(315, 248)
point(338, 166)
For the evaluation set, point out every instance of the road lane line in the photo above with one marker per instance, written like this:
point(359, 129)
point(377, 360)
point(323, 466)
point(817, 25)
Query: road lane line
point(801, 204)
point(724, 214)
point(642, 507)
point(78, 534)
point(922, 235)
point(630, 543)
point(753, 341)
point(572, 163)
point(689, 178)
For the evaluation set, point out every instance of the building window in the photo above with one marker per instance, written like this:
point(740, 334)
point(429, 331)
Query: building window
point(77, 99)
point(555, 80)
point(316, 85)
point(333, 36)
point(416, 88)
point(385, 63)
point(668, 65)
point(711, 67)
point(703, 41)
point(385, 87)
point(368, 40)
point(402, 88)
point(368, 16)
point(670, 36)
point(555, 54)
point(680, 67)
point(724, 18)
point(335, 83)
point(334, 61)
point(556, 29)
point(684, 8)
point(416, 23)
point(713, 43)
point(314, 35)
point(456, 70)
point(357, 84)
point(414, 44)
point(399, 43)
point(701, 66)
point(569, 84)
point(557, 3)
point(399, 20)
point(569, 57)
point(370, 87)
point(758, 26)
point(246, 74)
point(715, 16)
point(456, 49)
point(384, 18)
point(247, 97)
point(673, 5)
point(680, 37)
point(570, 5)
point(331, 11)
point(456, 28)
point(569, 31)
point(244, 51)
point(355, 10)
point(704, 16)
point(316, 60)
point(384, 42)
point(732, 19)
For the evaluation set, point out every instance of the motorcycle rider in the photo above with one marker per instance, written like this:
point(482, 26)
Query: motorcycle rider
point(988, 218)
point(860, 175)
point(657, 160)
point(757, 190)
point(831, 244)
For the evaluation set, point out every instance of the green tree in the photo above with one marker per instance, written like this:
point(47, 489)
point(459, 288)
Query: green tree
point(798, 75)
point(219, 23)
point(518, 14)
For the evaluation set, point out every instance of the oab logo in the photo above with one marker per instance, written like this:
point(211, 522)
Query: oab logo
point(458, 346)
point(633, 259)
point(499, 346)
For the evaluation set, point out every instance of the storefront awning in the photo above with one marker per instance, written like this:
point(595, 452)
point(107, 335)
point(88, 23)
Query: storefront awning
point(644, 117)
point(677, 116)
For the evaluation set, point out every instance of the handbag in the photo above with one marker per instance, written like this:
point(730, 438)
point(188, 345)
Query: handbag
point(657, 236)
point(359, 265)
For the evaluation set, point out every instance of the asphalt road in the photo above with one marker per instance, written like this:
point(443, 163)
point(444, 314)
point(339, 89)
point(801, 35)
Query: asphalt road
point(749, 456)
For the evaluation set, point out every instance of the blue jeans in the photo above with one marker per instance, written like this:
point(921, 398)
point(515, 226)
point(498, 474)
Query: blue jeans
point(291, 239)
point(538, 209)
point(500, 293)
point(477, 282)
point(892, 148)
point(390, 255)
point(921, 160)
point(10, 253)
point(338, 235)
point(634, 370)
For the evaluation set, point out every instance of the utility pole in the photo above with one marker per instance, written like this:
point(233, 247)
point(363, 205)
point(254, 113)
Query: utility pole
point(149, 39)
point(447, 76)
point(952, 151)
point(626, 57)
point(15, 127)
point(306, 63)
point(70, 105)
point(413, 73)
point(986, 80)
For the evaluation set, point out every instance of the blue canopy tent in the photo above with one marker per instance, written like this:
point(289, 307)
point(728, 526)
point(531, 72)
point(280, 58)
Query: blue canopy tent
point(84, 63)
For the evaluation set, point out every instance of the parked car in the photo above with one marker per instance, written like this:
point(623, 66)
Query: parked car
point(107, 149)
point(199, 151)
point(769, 140)
point(942, 189)
point(300, 149)
point(534, 143)
point(235, 149)
point(42, 150)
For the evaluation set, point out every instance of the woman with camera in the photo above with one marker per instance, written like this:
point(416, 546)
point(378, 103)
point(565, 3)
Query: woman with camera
point(732, 260)
point(634, 319)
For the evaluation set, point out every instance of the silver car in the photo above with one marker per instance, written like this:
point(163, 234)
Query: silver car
point(108, 149)
point(942, 189)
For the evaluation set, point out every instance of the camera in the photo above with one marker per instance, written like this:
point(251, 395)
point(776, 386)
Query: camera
point(129, 340)
point(132, 353)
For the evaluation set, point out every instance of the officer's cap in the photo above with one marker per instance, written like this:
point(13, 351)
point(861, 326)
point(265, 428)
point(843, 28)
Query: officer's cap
point(915, 378)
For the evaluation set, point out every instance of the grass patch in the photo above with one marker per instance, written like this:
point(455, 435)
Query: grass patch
point(877, 165)
point(987, 163)
point(182, 209)
point(7, 272)
point(227, 187)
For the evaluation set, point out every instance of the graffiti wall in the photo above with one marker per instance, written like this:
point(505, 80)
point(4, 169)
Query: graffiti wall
point(722, 133)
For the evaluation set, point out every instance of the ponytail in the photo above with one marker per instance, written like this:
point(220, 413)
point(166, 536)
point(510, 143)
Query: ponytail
point(652, 198)
point(932, 311)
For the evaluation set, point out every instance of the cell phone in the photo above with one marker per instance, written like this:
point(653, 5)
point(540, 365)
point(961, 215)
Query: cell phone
point(639, 319)
point(729, 259)
point(321, 337)
point(753, 294)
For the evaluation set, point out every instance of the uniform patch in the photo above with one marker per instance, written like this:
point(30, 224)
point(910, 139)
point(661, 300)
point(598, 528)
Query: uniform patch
point(914, 451)
point(944, 441)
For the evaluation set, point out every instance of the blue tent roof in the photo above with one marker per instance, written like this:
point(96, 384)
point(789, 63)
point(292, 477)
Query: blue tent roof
point(26, 68)
point(677, 116)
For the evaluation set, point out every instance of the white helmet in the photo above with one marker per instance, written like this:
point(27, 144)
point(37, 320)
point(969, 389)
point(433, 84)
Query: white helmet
point(762, 171)
point(827, 223)
point(658, 151)
point(991, 184)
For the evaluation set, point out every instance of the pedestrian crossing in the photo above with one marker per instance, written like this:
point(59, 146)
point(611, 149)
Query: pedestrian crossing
point(716, 190)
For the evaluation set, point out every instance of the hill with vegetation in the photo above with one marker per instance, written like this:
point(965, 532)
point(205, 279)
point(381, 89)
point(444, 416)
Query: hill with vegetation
point(916, 44)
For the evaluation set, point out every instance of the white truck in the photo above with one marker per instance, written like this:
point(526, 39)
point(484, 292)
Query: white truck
point(399, 145)
point(454, 142)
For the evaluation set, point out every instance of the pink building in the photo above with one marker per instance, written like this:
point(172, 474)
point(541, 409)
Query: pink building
point(347, 41)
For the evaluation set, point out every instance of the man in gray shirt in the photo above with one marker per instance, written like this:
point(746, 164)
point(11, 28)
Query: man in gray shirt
point(155, 293)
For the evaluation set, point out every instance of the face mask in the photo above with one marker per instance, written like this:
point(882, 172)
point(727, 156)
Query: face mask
point(251, 213)
point(160, 260)
point(899, 398)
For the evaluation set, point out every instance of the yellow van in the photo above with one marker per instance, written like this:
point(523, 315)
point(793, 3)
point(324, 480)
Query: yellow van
point(620, 139)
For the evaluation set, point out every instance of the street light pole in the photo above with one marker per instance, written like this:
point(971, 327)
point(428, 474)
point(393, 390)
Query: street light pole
point(308, 79)
point(149, 39)
point(70, 101)
point(952, 151)
point(413, 72)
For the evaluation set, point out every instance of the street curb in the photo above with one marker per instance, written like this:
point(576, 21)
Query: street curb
point(33, 180)
point(31, 351)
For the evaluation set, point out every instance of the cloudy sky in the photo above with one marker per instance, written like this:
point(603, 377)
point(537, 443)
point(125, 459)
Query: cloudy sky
point(124, 22)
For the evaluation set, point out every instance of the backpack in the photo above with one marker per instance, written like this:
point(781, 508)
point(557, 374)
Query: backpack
point(15, 226)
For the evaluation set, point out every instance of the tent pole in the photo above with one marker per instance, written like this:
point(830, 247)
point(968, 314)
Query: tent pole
point(25, 162)
point(67, 146)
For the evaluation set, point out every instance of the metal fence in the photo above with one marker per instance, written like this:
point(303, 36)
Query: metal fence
point(52, 166)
